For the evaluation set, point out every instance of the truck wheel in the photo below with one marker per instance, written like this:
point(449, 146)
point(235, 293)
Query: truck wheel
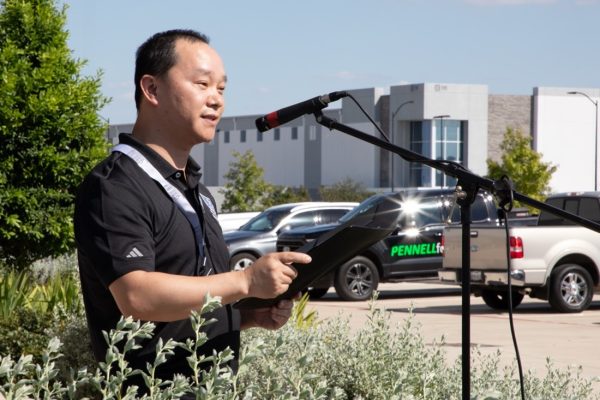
point(571, 288)
point(498, 300)
point(241, 261)
point(357, 279)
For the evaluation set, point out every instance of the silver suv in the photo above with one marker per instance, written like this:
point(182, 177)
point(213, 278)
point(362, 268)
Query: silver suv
point(259, 235)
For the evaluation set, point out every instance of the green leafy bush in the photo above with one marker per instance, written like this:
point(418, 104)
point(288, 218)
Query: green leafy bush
point(24, 332)
point(345, 190)
point(15, 293)
point(278, 194)
point(306, 359)
point(375, 363)
point(22, 378)
point(35, 303)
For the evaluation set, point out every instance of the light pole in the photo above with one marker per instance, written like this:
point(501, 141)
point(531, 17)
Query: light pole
point(392, 139)
point(595, 103)
point(443, 140)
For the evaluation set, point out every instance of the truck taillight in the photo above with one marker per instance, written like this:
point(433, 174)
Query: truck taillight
point(516, 247)
point(442, 245)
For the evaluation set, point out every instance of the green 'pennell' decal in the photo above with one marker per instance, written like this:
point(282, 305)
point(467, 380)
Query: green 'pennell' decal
point(420, 249)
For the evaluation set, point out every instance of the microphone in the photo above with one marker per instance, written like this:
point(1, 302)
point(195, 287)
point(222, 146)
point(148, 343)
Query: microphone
point(284, 115)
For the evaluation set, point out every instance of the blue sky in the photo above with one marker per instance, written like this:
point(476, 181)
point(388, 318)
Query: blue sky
point(277, 53)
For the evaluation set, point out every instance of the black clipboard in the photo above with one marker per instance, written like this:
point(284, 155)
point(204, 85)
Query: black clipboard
point(371, 221)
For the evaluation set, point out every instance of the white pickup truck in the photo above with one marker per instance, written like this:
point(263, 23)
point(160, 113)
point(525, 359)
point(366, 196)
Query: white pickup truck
point(554, 260)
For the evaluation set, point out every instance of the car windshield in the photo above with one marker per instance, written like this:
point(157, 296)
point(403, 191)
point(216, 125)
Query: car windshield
point(361, 208)
point(415, 212)
point(418, 212)
point(265, 221)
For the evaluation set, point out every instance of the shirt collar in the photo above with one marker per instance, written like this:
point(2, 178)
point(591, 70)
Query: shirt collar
point(192, 169)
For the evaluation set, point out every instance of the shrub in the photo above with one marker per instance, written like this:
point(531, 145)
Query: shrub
point(277, 194)
point(35, 303)
point(14, 293)
point(24, 332)
point(345, 190)
point(306, 359)
point(25, 378)
point(375, 363)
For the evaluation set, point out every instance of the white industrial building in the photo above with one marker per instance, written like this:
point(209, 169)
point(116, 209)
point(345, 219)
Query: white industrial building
point(565, 129)
point(441, 121)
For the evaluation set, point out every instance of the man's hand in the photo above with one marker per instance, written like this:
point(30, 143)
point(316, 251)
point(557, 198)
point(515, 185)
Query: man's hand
point(269, 318)
point(157, 296)
point(272, 274)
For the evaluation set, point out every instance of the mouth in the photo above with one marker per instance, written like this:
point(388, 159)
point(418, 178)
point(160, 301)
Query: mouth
point(211, 118)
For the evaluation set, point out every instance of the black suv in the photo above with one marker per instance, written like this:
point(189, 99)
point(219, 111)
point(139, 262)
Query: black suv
point(413, 250)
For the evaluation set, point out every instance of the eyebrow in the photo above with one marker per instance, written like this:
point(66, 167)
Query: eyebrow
point(207, 72)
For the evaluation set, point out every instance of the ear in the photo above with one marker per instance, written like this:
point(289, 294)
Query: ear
point(149, 87)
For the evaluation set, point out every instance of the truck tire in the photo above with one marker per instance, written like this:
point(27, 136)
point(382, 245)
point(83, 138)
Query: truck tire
point(571, 288)
point(498, 299)
point(357, 279)
point(241, 261)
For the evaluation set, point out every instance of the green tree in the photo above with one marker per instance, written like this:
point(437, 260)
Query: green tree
point(345, 190)
point(523, 165)
point(246, 188)
point(50, 131)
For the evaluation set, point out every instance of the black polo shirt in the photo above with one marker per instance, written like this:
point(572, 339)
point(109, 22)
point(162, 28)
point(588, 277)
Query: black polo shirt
point(125, 221)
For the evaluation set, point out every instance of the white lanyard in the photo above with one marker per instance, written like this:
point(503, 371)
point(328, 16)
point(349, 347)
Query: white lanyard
point(178, 197)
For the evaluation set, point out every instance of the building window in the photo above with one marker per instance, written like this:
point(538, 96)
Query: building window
point(259, 136)
point(419, 143)
point(440, 140)
point(448, 146)
point(295, 133)
point(226, 137)
point(312, 132)
point(276, 134)
point(242, 136)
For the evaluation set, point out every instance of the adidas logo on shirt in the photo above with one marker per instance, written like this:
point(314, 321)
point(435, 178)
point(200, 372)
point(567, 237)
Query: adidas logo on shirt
point(135, 253)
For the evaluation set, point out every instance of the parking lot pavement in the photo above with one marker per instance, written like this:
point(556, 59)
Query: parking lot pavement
point(567, 339)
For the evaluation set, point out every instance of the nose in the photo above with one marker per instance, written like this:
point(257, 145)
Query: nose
point(215, 99)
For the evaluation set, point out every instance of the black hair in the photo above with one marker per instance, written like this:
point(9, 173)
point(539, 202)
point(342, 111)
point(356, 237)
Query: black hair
point(157, 55)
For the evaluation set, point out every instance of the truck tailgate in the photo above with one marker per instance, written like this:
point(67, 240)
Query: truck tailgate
point(492, 239)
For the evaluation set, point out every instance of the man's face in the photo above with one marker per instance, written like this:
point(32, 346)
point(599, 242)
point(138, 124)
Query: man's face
point(191, 94)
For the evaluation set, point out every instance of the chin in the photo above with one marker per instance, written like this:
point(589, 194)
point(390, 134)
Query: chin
point(205, 137)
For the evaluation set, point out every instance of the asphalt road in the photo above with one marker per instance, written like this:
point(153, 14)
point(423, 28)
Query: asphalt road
point(567, 339)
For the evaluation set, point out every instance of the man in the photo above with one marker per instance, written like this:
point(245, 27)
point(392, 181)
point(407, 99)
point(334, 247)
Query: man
point(149, 244)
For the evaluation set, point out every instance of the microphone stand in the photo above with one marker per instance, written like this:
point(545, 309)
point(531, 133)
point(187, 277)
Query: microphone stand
point(467, 186)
